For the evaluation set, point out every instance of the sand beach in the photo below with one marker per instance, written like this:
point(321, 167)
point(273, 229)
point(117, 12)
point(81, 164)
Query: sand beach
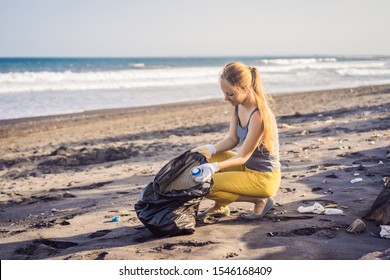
point(63, 178)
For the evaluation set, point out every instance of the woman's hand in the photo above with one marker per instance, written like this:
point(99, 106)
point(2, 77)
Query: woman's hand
point(206, 150)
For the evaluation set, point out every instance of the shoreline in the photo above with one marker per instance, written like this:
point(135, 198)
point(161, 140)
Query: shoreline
point(131, 110)
point(62, 179)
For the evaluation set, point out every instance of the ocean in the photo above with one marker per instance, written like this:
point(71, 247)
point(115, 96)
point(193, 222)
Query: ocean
point(32, 87)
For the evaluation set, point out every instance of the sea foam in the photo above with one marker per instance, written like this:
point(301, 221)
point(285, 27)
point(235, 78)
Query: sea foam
point(105, 80)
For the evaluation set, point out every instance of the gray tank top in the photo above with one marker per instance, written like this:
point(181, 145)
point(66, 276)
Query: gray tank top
point(261, 159)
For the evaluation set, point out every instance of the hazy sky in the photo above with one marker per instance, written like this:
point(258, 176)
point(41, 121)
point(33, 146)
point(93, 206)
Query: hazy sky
point(193, 28)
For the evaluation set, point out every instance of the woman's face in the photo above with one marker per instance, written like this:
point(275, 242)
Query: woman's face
point(232, 95)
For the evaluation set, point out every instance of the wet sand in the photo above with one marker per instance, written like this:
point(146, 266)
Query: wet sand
point(63, 178)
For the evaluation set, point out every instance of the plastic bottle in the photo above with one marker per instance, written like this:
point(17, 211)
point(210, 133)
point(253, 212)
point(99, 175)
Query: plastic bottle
point(200, 175)
point(196, 173)
point(333, 211)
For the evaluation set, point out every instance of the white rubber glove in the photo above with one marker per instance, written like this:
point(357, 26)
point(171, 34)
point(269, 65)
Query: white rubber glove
point(207, 171)
point(206, 150)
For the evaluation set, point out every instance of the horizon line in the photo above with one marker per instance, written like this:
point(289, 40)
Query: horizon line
point(211, 56)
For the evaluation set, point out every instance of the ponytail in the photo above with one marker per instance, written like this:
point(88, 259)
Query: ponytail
point(263, 104)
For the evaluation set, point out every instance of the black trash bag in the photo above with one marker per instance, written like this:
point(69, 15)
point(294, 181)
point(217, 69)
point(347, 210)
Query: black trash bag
point(168, 205)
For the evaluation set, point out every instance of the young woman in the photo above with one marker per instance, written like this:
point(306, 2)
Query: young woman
point(253, 174)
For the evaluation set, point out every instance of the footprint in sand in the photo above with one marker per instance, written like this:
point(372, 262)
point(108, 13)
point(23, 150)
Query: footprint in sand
point(99, 233)
point(44, 246)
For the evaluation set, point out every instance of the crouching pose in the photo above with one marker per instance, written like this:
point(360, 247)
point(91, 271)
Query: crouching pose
point(253, 173)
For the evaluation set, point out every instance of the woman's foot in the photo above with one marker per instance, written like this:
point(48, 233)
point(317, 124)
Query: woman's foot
point(216, 211)
point(262, 207)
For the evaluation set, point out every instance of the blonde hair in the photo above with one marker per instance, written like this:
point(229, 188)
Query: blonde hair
point(239, 76)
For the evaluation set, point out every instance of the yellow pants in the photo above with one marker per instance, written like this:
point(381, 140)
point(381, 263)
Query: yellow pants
point(232, 182)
